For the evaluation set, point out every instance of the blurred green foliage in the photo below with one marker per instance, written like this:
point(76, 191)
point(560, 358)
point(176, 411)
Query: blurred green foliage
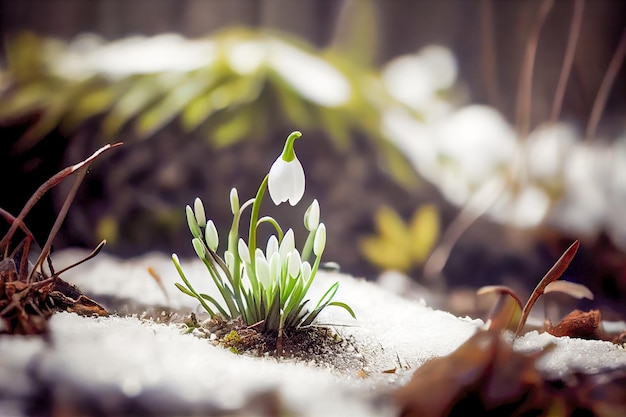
point(45, 82)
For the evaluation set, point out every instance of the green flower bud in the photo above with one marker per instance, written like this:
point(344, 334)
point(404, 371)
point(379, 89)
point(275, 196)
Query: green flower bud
point(199, 247)
point(192, 222)
point(234, 201)
point(198, 209)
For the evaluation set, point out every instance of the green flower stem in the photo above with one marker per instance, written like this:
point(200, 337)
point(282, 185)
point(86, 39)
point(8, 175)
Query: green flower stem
point(254, 216)
point(316, 266)
point(308, 245)
point(233, 237)
point(221, 286)
point(195, 294)
point(273, 222)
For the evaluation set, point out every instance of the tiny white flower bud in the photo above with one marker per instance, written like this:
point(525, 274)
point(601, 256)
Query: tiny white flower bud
point(312, 216)
point(234, 201)
point(275, 266)
point(306, 271)
point(287, 244)
point(272, 246)
point(242, 250)
point(263, 271)
point(211, 236)
point(294, 262)
point(198, 209)
point(229, 258)
point(320, 240)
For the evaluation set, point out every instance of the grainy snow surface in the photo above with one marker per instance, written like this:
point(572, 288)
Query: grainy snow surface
point(115, 361)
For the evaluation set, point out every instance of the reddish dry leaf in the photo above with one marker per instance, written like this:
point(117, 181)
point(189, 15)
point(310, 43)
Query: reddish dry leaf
point(485, 377)
point(580, 324)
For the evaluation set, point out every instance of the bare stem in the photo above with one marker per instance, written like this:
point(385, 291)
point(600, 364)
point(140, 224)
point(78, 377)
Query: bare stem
point(552, 275)
point(572, 41)
point(524, 92)
point(488, 52)
point(605, 88)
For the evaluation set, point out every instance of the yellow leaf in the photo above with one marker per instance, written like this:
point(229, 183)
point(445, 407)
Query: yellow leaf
point(424, 232)
point(392, 228)
point(385, 254)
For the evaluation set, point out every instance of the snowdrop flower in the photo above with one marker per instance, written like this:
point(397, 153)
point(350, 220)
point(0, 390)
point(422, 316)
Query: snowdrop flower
point(286, 177)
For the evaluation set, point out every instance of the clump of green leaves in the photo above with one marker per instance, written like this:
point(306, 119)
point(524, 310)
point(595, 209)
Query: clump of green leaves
point(267, 289)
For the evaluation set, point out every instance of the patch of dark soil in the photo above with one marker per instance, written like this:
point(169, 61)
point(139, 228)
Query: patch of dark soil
point(320, 345)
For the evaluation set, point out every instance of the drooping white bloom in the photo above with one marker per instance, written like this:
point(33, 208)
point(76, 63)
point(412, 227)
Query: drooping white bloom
point(312, 216)
point(286, 176)
point(286, 181)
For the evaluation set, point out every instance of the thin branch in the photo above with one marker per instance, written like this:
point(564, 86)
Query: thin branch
point(524, 92)
point(605, 87)
point(572, 41)
point(81, 170)
point(488, 52)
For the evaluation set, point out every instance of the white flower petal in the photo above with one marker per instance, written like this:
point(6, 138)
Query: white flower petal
point(306, 271)
point(242, 250)
point(272, 247)
point(286, 181)
point(263, 271)
point(294, 263)
point(287, 245)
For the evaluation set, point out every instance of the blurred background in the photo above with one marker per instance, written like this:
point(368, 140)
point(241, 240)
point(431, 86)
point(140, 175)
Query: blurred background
point(457, 143)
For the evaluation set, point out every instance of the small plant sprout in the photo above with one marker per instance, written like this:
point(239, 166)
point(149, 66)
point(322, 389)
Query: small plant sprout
point(267, 289)
point(509, 306)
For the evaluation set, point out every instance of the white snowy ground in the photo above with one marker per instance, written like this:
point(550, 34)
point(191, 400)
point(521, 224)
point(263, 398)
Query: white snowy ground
point(107, 361)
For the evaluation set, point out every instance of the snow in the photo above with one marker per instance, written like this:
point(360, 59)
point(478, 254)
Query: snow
point(109, 360)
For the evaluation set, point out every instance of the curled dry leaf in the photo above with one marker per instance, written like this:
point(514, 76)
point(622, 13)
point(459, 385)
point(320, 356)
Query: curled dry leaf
point(580, 324)
point(485, 377)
